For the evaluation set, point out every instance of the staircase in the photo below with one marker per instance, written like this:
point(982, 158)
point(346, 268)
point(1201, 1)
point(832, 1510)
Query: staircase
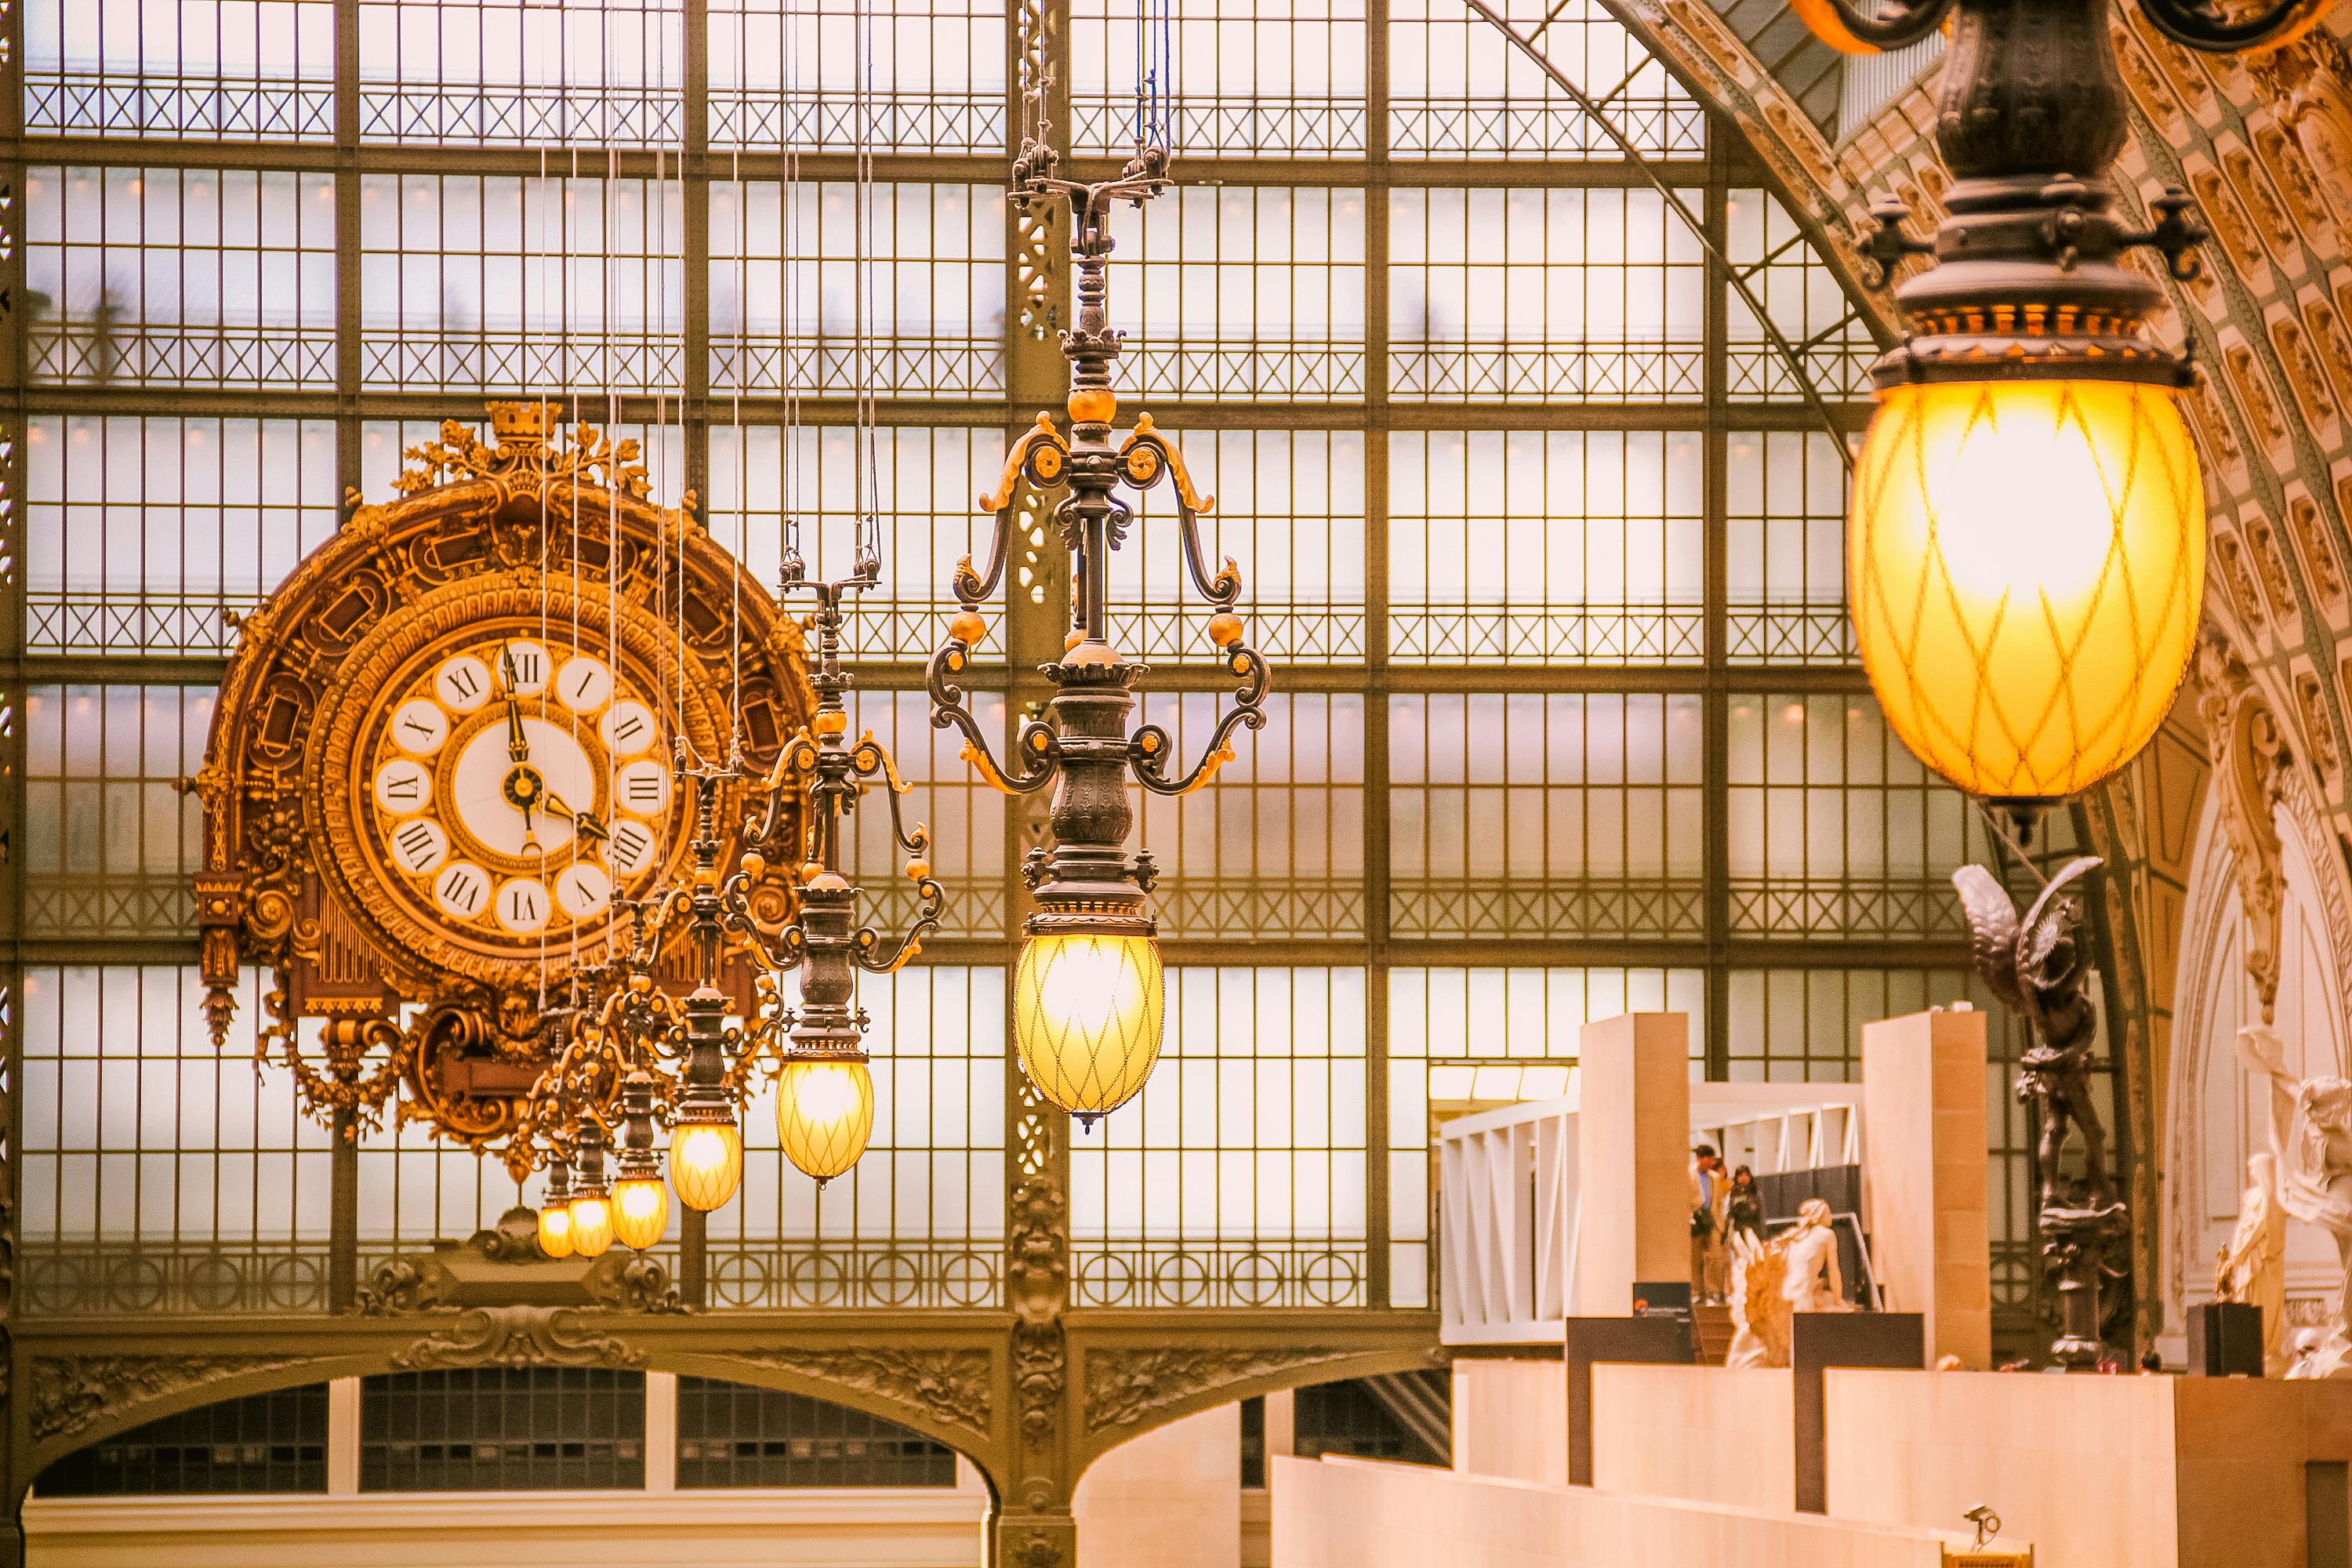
point(1711, 1328)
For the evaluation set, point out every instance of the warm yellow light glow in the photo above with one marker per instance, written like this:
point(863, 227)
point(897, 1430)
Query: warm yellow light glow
point(825, 1113)
point(2026, 561)
point(706, 1163)
point(591, 1226)
point(640, 1211)
point(1086, 1018)
point(555, 1229)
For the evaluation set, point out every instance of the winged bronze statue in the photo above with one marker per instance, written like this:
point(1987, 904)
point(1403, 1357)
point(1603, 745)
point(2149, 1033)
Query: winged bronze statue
point(2038, 967)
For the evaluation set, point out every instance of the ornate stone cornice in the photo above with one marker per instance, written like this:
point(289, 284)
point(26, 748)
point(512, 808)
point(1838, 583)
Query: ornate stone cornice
point(954, 1387)
point(70, 1393)
point(517, 1336)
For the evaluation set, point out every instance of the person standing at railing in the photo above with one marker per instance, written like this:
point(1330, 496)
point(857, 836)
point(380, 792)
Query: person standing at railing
point(1744, 1209)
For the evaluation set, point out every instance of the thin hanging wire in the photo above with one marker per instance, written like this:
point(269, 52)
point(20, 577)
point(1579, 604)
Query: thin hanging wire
point(788, 203)
point(866, 552)
point(1155, 69)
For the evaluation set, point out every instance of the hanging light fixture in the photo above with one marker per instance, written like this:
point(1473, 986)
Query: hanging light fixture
point(1087, 993)
point(2026, 551)
point(555, 1210)
point(640, 1199)
point(2026, 545)
point(824, 1089)
point(592, 1200)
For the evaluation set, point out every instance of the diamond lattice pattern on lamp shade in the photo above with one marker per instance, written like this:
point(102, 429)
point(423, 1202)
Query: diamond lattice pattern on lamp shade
point(825, 1113)
point(2026, 561)
point(1086, 1015)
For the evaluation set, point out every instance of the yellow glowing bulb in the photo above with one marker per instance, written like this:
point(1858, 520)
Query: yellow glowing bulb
point(591, 1226)
point(706, 1163)
point(1086, 1018)
point(640, 1211)
point(2026, 561)
point(825, 1113)
point(555, 1229)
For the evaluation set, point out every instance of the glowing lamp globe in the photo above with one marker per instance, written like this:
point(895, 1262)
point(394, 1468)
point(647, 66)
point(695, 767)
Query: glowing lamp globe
point(825, 1113)
point(706, 1163)
point(2025, 560)
point(592, 1224)
point(1086, 1017)
point(640, 1211)
point(555, 1228)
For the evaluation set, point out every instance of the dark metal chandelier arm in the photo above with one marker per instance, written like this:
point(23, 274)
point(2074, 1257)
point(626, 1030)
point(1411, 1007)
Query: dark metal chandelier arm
point(1035, 744)
point(1897, 24)
point(877, 959)
point(2201, 25)
point(1149, 750)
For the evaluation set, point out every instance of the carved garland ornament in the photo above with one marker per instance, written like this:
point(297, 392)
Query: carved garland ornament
point(1123, 1386)
point(518, 1336)
point(952, 1387)
point(71, 1392)
point(2249, 760)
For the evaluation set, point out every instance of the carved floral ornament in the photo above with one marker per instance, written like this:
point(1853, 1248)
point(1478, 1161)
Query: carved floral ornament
point(345, 892)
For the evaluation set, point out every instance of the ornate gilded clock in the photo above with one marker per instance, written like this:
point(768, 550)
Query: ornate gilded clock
point(441, 769)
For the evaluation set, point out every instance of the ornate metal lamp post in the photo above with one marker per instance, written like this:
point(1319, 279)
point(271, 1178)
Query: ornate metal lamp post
point(2026, 546)
point(1087, 993)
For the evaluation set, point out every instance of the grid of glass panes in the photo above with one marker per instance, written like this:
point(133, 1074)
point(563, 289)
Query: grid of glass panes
point(1463, 1040)
point(1276, 848)
point(827, 75)
point(1241, 293)
point(1514, 294)
point(500, 1428)
point(179, 276)
point(912, 485)
point(1236, 1178)
point(206, 70)
point(515, 283)
point(734, 1435)
point(1287, 507)
point(1448, 540)
point(1566, 813)
point(109, 838)
point(919, 1221)
point(159, 1173)
point(145, 534)
point(274, 1442)
point(1784, 549)
point(1835, 828)
point(794, 308)
point(521, 73)
point(1247, 76)
point(1802, 298)
point(1458, 89)
point(1546, 547)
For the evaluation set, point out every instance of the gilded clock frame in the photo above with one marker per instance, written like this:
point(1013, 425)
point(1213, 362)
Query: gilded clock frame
point(480, 532)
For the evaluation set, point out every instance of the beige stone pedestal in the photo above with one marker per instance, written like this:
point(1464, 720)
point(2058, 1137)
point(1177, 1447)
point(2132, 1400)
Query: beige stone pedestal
point(1923, 1176)
point(1632, 1156)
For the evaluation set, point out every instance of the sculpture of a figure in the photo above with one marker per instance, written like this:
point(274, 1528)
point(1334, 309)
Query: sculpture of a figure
point(2037, 965)
point(1814, 1282)
point(2306, 1358)
point(2252, 1266)
point(1759, 1312)
point(2311, 1136)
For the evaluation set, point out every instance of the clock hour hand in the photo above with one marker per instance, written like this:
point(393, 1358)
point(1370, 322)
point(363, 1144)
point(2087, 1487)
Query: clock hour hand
point(584, 821)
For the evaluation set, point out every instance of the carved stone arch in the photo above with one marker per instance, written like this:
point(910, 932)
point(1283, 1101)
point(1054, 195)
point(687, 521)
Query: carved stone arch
point(2269, 940)
point(76, 1398)
point(1132, 1387)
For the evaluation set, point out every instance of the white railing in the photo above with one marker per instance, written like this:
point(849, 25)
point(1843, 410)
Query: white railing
point(1508, 1219)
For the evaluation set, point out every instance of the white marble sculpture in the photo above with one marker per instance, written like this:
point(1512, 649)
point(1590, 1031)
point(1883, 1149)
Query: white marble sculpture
point(1759, 1312)
point(1814, 1282)
point(2252, 1266)
point(2311, 1136)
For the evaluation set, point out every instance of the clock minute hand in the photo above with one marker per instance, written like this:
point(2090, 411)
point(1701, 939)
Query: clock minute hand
point(584, 821)
point(518, 743)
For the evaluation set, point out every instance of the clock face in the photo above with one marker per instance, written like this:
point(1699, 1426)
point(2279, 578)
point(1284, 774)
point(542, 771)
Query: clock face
point(517, 784)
